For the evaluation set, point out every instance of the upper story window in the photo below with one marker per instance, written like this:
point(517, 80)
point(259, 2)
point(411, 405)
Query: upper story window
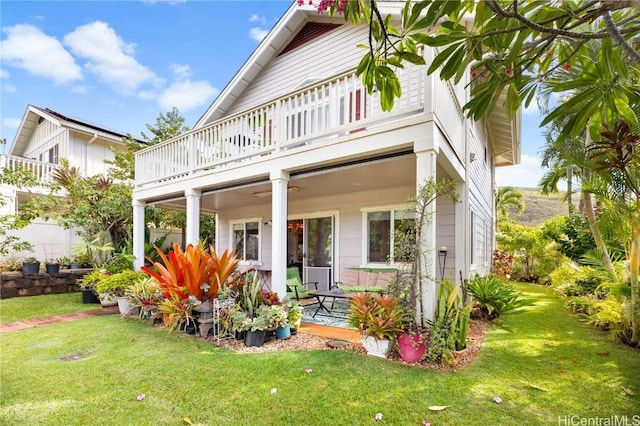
point(50, 156)
point(245, 239)
point(390, 234)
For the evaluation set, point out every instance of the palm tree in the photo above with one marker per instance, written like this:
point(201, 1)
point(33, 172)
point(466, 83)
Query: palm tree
point(509, 197)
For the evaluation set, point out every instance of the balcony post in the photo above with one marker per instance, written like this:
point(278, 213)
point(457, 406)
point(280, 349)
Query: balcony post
point(426, 161)
point(193, 216)
point(138, 233)
point(279, 191)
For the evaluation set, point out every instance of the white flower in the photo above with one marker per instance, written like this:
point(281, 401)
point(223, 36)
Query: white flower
point(378, 417)
point(497, 399)
point(273, 390)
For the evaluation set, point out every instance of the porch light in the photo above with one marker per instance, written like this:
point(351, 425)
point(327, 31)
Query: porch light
point(263, 194)
point(442, 260)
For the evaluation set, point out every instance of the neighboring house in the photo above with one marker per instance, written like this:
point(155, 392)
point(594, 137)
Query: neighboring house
point(303, 167)
point(43, 138)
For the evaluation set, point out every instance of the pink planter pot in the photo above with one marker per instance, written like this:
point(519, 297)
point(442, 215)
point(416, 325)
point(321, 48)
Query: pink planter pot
point(410, 350)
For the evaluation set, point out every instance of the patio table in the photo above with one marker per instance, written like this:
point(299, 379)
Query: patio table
point(322, 295)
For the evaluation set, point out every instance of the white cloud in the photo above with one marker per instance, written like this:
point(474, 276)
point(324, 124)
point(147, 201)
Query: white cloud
point(527, 174)
point(259, 19)
point(11, 123)
point(258, 33)
point(27, 47)
point(109, 57)
point(4, 73)
point(181, 71)
point(187, 95)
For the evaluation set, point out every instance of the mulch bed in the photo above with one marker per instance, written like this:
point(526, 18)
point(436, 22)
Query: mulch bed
point(303, 341)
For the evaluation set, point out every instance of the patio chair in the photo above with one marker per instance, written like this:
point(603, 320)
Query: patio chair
point(295, 287)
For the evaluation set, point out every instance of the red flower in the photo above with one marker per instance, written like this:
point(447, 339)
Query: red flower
point(567, 67)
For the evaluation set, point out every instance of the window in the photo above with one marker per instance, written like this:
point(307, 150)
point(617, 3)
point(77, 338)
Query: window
point(53, 154)
point(390, 235)
point(245, 239)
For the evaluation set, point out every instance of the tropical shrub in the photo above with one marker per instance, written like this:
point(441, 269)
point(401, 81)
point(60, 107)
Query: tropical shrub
point(379, 315)
point(119, 283)
point(192, 272)
point(581, 304)
point(606, 314)
point(448, 331)
point(495, 297)
point(502, 261)
point(91, 280)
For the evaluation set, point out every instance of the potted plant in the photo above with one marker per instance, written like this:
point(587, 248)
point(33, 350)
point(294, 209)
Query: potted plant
point(412, 342)
point(145, 295)
point(88, 285)
point(280, 319)
point(31, 265)
point(294, 315)
point(256, 330)
point(379, 317)
point(52, 266)
point(112, 289)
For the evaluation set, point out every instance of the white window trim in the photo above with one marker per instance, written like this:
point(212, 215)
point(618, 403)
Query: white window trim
point(249, 263)
point(365, 237)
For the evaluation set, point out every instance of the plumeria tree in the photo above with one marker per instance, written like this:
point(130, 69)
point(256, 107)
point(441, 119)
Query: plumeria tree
point(586, 52)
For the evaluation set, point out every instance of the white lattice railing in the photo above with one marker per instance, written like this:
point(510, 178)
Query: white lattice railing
point(328, 109)
point(43, 171)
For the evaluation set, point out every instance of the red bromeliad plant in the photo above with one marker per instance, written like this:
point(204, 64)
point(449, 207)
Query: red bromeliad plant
point(377, 315)
point(182, 269)
point(223, 267)
point(183, 272)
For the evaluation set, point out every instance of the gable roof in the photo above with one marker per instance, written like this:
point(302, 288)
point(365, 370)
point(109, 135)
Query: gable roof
point(504, 133)
point(34, 114)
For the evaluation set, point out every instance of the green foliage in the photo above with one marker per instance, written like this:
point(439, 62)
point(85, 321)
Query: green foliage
point(379, 315)
point(495, 297)
point(509, 198)
point(118, 283)
point(92, 279)
point(448, 331)
point(609, 315)
point(581, 304)
point(534, 254)
point(572, 235)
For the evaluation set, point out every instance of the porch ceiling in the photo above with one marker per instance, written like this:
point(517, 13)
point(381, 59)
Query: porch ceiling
point(371, 176)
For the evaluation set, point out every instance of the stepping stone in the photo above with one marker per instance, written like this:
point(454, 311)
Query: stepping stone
point(337, 344)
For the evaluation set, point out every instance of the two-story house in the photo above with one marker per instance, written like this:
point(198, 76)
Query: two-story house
point(303, 167)
point(43, 138)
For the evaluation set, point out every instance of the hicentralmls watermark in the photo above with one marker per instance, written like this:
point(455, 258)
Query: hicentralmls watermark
point(599, 421)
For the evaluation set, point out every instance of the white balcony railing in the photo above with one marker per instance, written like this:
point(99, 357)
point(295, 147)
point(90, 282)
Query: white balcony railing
point(42, 171)
point(328, 109)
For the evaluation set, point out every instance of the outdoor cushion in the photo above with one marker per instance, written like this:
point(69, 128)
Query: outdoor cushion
point(363, 288)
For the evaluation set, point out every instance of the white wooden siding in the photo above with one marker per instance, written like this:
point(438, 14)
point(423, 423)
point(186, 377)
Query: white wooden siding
point(318, 58)
point(89, 157)
point(445, 236)
point(481, 200)
point(349, 208)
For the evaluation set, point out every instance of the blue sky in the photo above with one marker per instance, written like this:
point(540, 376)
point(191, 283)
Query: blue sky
point(119, 64)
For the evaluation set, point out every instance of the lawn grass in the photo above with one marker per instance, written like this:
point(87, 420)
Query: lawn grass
point(580, 371)
point(21, 308)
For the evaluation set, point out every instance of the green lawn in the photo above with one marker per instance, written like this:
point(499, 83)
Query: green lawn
point(580, 371)
point(20, 308)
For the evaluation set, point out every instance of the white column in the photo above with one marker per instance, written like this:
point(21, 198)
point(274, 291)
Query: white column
point(138, 233)
point(279, 186)
point(425, 169)
point(193, 216)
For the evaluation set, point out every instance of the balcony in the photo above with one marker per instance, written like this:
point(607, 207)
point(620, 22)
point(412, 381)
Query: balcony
point(42, 171)
point(328, 109)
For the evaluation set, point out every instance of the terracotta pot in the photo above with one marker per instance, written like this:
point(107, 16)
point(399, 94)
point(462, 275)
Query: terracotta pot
point(409, 349)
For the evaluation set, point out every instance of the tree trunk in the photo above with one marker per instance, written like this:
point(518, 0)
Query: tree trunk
point(570, 188)
point(634, 267)
point(597, 237)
